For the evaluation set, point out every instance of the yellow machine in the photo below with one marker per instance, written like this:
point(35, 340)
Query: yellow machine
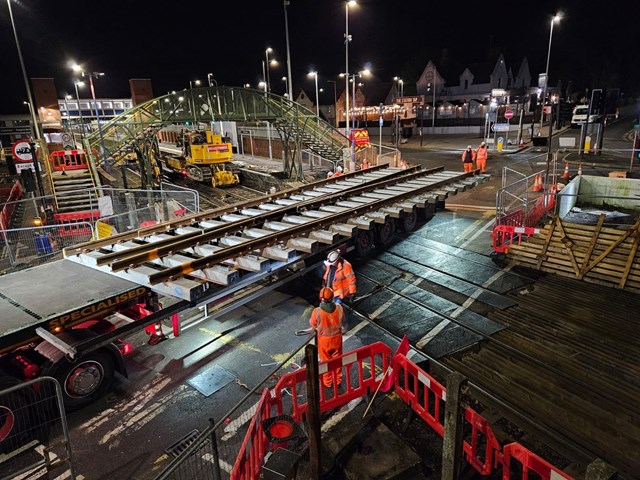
point(206, 158)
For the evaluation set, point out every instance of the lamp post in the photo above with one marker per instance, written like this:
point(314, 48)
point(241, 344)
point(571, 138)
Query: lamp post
point(315, 76)
point(263, 85)
point(335, 101)
point(34, 119)
point(286, 90)
point(267, 79)
point(285, 3)
point(92, 75)
point(347, 40)
point(79, 83)
point(555, 19)
point(401, 83)
point(211, 80)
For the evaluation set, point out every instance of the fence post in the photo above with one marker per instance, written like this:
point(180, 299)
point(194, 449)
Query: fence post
point(214, 451)
point(313, 412)
point(453, 428)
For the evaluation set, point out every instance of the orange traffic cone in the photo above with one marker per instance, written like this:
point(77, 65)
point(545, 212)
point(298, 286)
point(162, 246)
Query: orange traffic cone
point(537, 184)
point(580, 169)
point(566, 175)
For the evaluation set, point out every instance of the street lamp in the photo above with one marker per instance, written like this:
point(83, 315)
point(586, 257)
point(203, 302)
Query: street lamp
point(315, 75)
point(335, 101)
point(269, 63)
point(286, 91)
point(211, 80)
point(193, 82)
point(285, 3)
point(92, 75)
point(555, 19)
point(347, 39)
point(401, 83)
point(79, 83)
point(263, 85)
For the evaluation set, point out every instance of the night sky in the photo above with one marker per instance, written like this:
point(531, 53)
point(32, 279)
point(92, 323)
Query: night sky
point(592, 47)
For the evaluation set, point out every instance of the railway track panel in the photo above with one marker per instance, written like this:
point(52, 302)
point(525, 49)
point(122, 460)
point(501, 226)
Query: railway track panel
point(191, 257)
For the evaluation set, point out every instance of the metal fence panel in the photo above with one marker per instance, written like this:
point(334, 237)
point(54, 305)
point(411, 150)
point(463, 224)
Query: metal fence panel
point(34, 436)
point(22, 248)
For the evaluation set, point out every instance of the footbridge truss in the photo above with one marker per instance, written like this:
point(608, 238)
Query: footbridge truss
point(296, 125)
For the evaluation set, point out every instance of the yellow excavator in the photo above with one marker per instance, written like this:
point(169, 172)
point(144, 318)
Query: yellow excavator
point(206, 157)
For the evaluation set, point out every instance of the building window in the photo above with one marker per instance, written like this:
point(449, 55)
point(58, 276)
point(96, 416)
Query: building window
point(128, 104)
point(117, 105)
point(466, 84)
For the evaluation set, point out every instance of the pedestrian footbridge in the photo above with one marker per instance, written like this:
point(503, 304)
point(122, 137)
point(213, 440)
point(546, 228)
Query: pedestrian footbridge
point(297, 126)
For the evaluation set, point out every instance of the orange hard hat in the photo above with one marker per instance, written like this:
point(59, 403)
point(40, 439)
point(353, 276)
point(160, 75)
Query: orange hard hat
point(326, 294)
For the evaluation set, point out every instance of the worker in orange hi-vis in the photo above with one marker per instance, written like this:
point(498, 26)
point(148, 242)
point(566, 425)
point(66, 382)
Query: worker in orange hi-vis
point(338, 172)
point(327, 320)
point(339, 276)
point(365, 164)
point(468, 157)
point(482, 152)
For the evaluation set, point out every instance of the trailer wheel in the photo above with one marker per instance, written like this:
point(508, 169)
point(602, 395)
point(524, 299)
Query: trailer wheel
point(84, 380)
point(364, 243)
point(410, 221)
point(384, 232)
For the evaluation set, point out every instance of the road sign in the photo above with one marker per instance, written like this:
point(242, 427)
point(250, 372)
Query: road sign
point(500, 127)
point(508, 114)
point(22, 151)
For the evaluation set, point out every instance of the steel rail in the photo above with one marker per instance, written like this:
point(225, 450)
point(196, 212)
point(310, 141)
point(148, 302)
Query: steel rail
point(189, 220)
point(185, 269)
point(153, 250)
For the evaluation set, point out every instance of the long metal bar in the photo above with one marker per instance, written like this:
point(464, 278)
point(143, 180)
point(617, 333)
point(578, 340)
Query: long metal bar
point(137, 255)
point(189, 220)
point(187, 268)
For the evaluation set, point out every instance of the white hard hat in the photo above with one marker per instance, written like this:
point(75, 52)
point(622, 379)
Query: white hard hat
point(333, 257)
point(329, 173)
point(339, 169)
point(468, 146)
point(482, 143)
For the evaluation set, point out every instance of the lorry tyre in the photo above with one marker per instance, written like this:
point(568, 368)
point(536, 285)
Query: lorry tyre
point(18, 419)
point(385, 232)
point(84, 380)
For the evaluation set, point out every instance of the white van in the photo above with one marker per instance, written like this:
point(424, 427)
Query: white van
point(580, 114)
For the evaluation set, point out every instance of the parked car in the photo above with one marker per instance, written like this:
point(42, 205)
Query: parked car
point(580, 114)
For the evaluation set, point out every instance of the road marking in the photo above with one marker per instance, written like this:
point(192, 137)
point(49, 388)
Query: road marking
point(456, 313)
point(478, 233)
point(339, 415)
point(232, 427)
point(227, 467)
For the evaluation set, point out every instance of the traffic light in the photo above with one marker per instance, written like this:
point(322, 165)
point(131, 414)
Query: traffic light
point(533, 103)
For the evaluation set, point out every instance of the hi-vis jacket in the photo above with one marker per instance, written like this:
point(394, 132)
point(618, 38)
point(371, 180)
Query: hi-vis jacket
point(344, 280)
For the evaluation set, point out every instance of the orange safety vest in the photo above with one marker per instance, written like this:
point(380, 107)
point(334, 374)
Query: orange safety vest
point(344, 280)
point(337, 174)
point(328, 324)
point(466, 158)
point(482, 153)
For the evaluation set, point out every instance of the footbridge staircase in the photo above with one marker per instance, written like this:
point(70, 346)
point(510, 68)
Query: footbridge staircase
point(298, 127)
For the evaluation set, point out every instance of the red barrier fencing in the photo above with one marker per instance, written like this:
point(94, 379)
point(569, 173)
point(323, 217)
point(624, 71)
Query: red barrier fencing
point(76, 223)
point(529, 465)
point(415, 387)
point(506, 235)
point(9, 206)
point(64, 160)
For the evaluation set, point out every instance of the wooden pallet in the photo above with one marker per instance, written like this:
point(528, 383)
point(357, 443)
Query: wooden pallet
point(593, 253)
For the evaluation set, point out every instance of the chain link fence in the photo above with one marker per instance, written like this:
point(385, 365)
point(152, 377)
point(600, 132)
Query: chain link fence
point(34, 436)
